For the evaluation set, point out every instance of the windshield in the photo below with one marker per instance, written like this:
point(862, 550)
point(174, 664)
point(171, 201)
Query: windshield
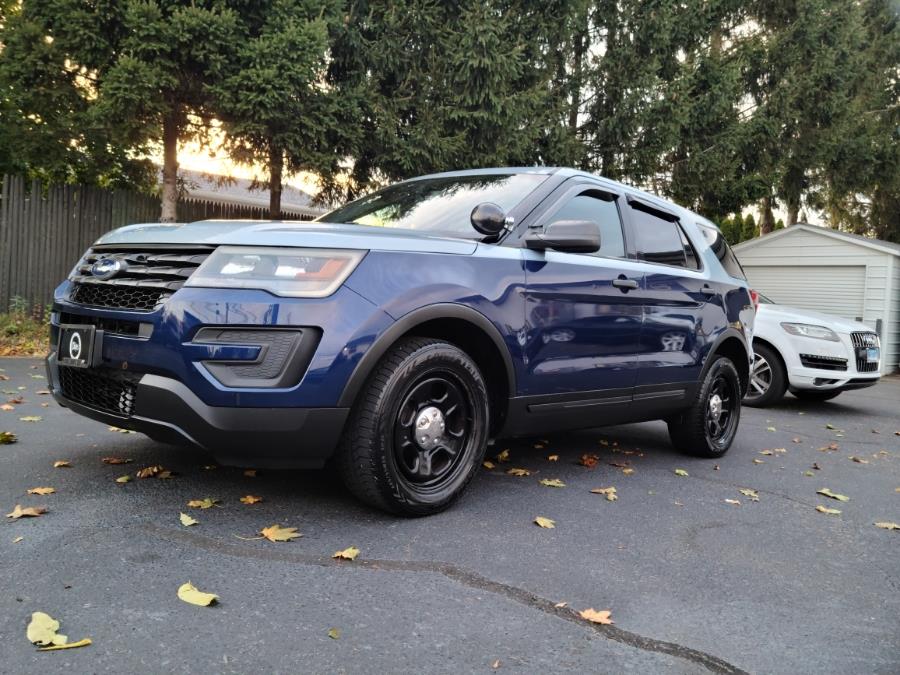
point(436, 204)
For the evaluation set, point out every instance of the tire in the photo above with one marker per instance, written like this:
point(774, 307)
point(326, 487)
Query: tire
point(810, 395)
point(708, 427)
point(381, 457)
point(768, 379)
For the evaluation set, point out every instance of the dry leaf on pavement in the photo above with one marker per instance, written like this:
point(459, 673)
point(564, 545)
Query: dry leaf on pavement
point(31, 418)
point(334, 633)
point(150, 471)
point(7, 438)
point(123, 479)
point(69, 645)
point(120, 431)
point(250, 473)
point(503, 456)
point(27, 512)
point(545, 522)
point(348, 553)
point(610, 493)
point(681, 472)
point(592, 615)
point(518, 472)
point(552, 482)
point(41, 491)
point(733, 502)
point(186, 520)
point(487, 464)
point(62, 464)
point(276, 533)
point(747, 492)
point(206, 503)
point(42, 630)
point(825, 509)
point(7, 407)
point(115, 460)
point(887, 526)
point(828, 493)
point(192, 595)
point(590, 461)
point(251, 499)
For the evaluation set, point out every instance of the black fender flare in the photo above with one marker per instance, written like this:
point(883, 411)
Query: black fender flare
point(409, 321)
point(726, 334)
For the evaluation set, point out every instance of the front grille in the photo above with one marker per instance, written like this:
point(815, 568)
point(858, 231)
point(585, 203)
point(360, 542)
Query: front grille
point(114, 326)
point(823, 362)
point(861, 341)
point(102, 389)
point(147, 279)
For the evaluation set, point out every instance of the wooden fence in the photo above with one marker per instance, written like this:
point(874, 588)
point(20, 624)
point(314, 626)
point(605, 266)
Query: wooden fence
point(44, 230)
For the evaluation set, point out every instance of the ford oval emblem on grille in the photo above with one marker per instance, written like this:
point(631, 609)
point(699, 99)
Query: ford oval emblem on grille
point(107, 268)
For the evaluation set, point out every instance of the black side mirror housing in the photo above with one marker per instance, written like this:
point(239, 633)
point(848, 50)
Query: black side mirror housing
point(568, 236)
point(488, 219)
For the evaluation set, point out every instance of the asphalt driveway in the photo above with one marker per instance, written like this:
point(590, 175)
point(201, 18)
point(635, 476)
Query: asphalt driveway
point(694, 583)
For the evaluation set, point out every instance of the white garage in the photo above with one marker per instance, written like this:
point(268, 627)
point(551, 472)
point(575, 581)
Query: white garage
point(828, 271)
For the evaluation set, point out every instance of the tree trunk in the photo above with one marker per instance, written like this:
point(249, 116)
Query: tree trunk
point(793, 212)
point(577, 75)
point(276, 166)
point(767, 221)
point(169, 205)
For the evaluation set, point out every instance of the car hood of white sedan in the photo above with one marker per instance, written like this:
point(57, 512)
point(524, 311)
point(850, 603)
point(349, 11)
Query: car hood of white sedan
point(782, 313)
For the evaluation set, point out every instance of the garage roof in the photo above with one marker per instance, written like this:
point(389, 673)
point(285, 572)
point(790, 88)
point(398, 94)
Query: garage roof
point(877, 244)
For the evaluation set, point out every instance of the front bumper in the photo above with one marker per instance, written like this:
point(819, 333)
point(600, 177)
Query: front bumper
point(804, 356)
point(167, 411)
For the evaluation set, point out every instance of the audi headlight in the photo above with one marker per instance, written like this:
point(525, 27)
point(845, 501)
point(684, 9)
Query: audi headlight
point(811, 331)
point(288, 272)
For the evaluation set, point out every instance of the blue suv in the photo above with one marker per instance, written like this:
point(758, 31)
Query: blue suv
point(400, 333)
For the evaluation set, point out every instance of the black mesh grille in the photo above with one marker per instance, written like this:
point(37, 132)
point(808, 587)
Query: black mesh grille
point(100, 389)
point(120, 297)
point(861, 342)
point(144, 280)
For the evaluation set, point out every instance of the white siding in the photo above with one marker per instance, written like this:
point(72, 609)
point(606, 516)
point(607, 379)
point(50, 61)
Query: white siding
point(829, 274)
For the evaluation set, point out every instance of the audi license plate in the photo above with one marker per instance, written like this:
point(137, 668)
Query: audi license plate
point(76, 345)
point(872, 355)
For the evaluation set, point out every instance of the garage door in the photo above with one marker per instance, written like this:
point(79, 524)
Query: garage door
point(834, 290)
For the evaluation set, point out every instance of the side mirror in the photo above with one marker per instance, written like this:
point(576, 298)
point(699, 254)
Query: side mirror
point(569, 236)
point(488, 218)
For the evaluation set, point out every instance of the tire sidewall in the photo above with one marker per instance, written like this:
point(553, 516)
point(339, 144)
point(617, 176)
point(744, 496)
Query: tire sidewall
point(778, 384)
point(725, 368)
point(434, 359)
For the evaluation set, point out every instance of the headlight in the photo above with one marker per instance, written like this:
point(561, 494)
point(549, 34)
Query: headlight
point(811, 331)
point(289, 272)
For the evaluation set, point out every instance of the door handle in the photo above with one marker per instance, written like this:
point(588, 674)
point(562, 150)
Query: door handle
point(706, 290)
point(625, 284)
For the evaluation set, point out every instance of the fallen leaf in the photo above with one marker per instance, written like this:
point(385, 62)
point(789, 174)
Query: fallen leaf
point(808, 473)
point(36, 377)
point(560, 605)
point(816, 466)
point(276, 533)
point(796, 440)
point(747, 492)
point(545, 522)
point(42, 392)
point(733, 502)
point(678, 503)
point(590, 461)
point(610, 493)
point(830, 426)
point(495, 664)
point(16, 400)
point(206, 503)
point(250, 473)
point(831, 447)
point(488, 465)
point(887, 526)
point(31, 418)
point(552, 458)
point(518, 472)
point(69, 645)
point(115, 460)
point(627, 471)
point(552, 482)
point(828, 493)
point(62, 464)
point(150, 471)
point(681, 472)
point(766, 452)
point(334, 633)
point(503, 456)
point(165, 474)
point(758, 461)
point(539, 446)
point(18, 539)
point(780, 450)
point(42, 630)
point(251, 499)
point(190, 594)
point(119, 430)
point(770, 429)
point(594, 616)
point(348, 553)
point(858, 460)
point(716, 467)
point(7, 407)
point(186, 520)
point(830, 512)
point(27, 512)
point(41, 491)
point(123, 479)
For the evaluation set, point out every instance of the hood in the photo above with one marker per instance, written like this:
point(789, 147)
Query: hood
point(286, 233)
point(797, 315)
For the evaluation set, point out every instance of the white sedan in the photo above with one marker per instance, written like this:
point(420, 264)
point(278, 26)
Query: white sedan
point(816, 356)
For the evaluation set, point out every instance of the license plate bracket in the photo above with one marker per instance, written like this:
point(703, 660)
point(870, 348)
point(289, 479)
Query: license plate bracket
point(79, 345)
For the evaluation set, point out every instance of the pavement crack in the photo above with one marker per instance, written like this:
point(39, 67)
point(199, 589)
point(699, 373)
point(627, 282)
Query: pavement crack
point(461, 576)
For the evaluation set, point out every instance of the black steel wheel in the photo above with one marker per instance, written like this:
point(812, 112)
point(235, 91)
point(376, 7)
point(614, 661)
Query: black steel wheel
point(708, 427)
point(418, 433)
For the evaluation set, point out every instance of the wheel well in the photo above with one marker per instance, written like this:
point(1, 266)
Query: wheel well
point(766, 343)
point(734, 350)
point(483, 350)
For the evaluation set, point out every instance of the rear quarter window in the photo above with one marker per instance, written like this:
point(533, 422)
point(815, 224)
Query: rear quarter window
point(722, 250)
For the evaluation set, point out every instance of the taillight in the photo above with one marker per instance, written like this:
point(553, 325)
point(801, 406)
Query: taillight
point(754, 298)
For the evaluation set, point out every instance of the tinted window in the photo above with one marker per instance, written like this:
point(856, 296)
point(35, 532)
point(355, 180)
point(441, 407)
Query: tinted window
point(657, 240)
point(602, 211)
point(722, 250)
point(690, 255)
point(436, 204)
